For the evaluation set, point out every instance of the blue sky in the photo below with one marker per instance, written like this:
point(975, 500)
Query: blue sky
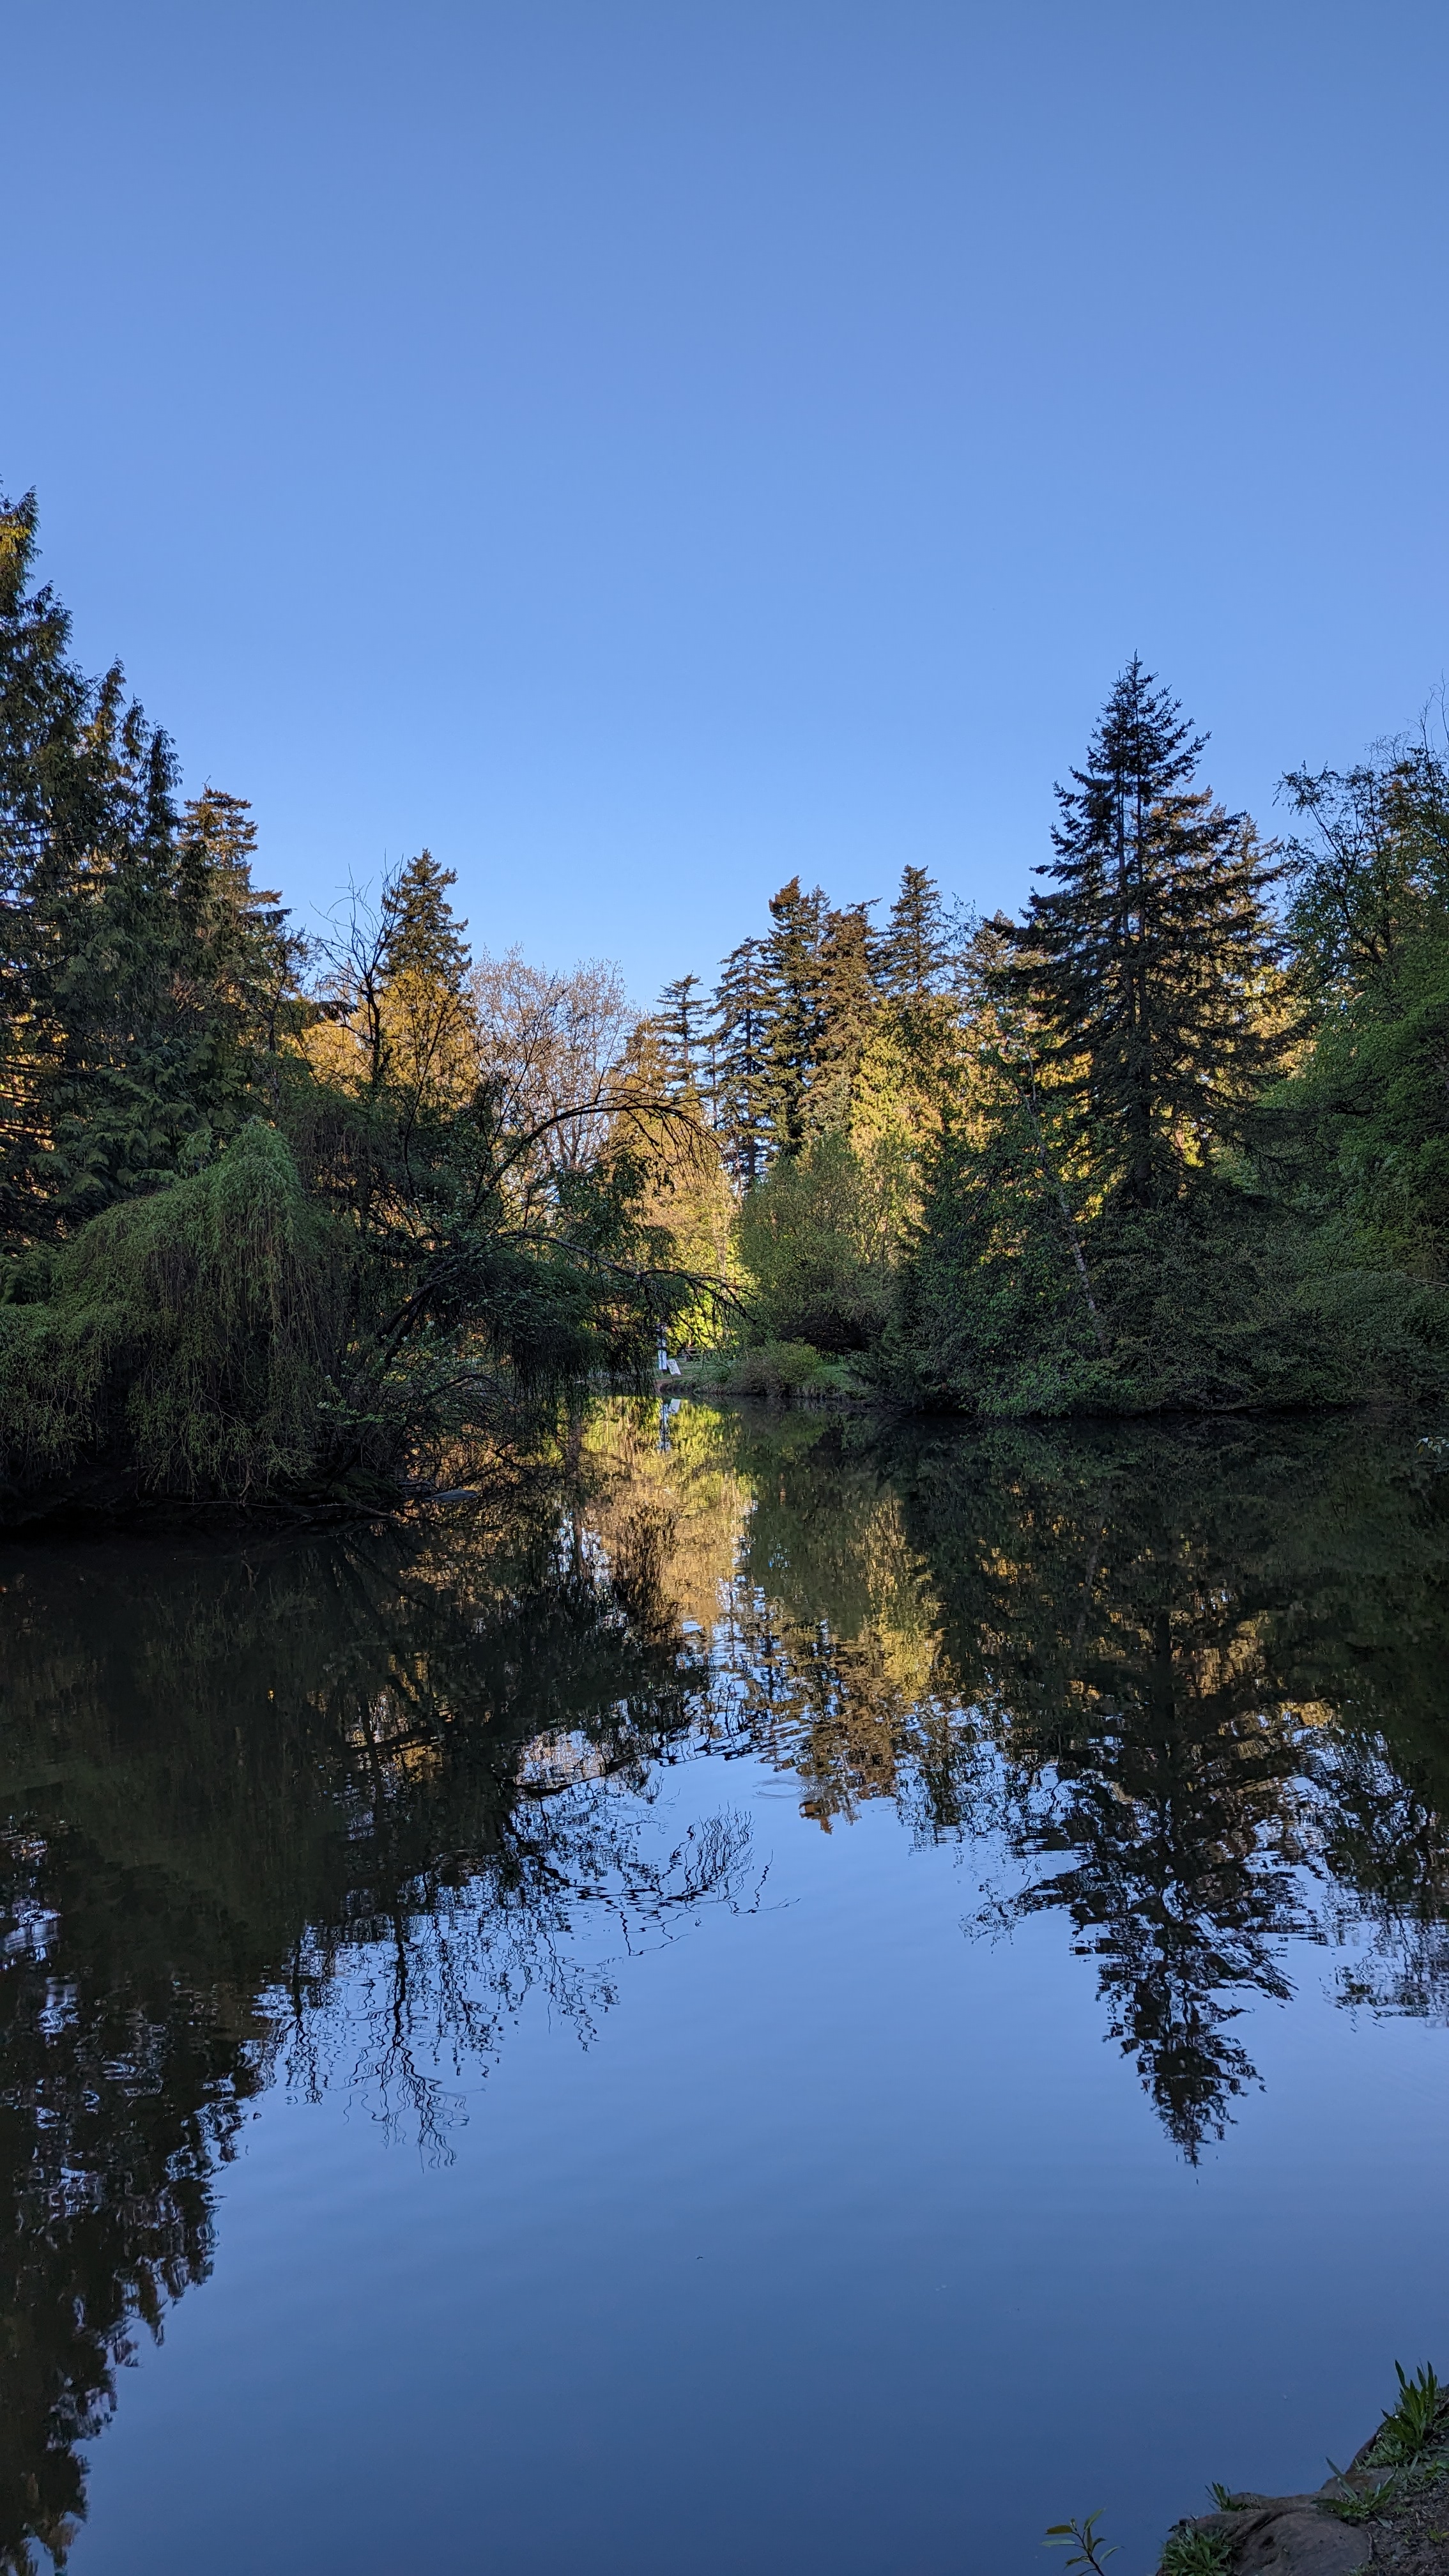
point(644, 448)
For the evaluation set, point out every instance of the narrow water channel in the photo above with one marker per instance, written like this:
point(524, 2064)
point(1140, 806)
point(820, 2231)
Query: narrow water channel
point(792, 1998)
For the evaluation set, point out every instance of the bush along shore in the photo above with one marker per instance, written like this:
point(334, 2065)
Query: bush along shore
point(326, 1220)
point(1387, 2507)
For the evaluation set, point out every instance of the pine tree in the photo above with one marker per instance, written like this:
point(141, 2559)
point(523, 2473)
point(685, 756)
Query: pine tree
point(1150, 961)
point(849, 1004)
point(421, 933)
point(738, 1041)
point(423, 1020)
point(142, 976)
point(52, 811)
point(241, 961)
point(796, 1013)
point(678, 1025)
point(917, 947)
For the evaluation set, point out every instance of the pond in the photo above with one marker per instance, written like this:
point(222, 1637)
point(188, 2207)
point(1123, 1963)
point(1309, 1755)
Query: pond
point(791, 1996)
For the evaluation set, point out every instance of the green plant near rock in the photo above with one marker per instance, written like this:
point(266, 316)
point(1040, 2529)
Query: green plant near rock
point(1196, 2553)
point(1408, 2426)
point(1366, 2507)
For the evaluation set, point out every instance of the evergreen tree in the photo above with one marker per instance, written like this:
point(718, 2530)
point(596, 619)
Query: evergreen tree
point(917, 949)
point(739, 1041)
point(422, 935)
point(849, 1003)
point(795, 973)
point(141, 973)
point(678, 1025)
point(1152, 958)
point(249, 957)
point(418, 1004)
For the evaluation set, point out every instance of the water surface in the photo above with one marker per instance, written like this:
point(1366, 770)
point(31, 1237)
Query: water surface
point(789, 1998)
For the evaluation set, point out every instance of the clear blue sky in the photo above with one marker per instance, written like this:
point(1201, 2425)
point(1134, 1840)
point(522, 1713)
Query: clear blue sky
point(643, 448)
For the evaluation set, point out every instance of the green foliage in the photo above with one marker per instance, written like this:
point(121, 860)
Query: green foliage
point(917, 950)
point(1366, 2506)
point(1124, 1156)
point(146, 986)
point(740, 1042)
point(779, 1370)
point(1196, 2553)
point(806, 1238)
point(1370, 869)
point(184, 1341)
point(797, 1023)
point(1090, 2550)
point(1409, 2425)
point(1127, 1214)
point(1143, 963)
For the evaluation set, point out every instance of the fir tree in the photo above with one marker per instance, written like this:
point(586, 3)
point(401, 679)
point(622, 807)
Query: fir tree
point(678, 1025)
point(797, 1017)
point(141, 973)
point(917, 948)
point(739, 1039)
point(1150, 961)
point(849, 1003)
point(425, 1021)
point(420, 931)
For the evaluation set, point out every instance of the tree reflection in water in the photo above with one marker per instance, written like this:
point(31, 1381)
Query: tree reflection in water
point(1197, 1672)
point(328, 1810)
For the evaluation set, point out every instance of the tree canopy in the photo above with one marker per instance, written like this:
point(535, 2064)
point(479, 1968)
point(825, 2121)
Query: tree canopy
point(332, 1213)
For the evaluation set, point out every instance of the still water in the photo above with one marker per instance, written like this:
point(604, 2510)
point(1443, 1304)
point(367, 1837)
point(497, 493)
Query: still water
point(789, 1999)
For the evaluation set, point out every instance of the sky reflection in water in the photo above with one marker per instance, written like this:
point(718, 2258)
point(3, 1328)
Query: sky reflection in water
point(840, 1793)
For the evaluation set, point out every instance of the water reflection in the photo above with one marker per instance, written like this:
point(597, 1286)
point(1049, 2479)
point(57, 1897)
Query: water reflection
point(1198, 1674)
point(327, 1810)
point(321, 1810)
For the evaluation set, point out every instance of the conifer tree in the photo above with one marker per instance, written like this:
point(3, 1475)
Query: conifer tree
point(849, 1003)
point(678, 1025)
point(739, 1040)
point(424, 1023)
point(797, 1017)
point(141, 972)
point(247, 954)
point(422, 935)
point(1149, 961)
point(917, 947)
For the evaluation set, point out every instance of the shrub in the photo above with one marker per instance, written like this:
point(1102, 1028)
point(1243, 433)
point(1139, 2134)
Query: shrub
point(777, 1369)
point(807, 1240)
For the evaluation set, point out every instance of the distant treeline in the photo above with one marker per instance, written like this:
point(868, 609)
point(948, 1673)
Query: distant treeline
point(324, 1216)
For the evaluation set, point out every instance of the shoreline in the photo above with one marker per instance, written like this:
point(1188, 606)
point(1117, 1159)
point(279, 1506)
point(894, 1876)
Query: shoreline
point(1388, 2508)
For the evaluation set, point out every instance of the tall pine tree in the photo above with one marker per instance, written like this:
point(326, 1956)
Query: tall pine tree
point(917, 947)
point(738, 1041)
point(1150, 961)
point(849, 1004)
point(678, 1025)
point(797, 1014)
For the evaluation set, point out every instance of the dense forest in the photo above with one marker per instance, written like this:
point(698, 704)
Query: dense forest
point(341, 1215)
